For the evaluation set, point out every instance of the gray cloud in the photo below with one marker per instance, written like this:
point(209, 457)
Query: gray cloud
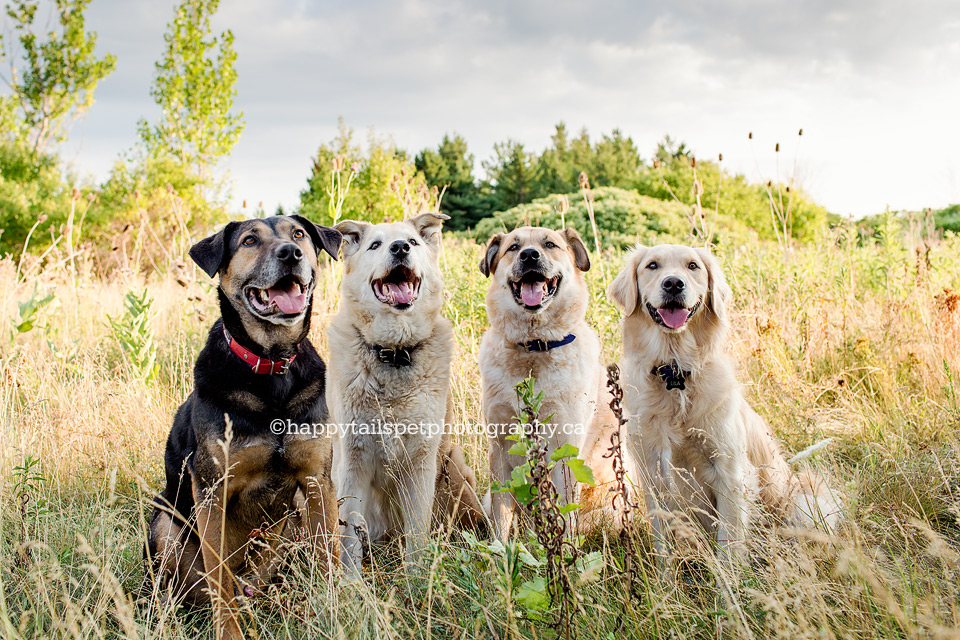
point(870, 82)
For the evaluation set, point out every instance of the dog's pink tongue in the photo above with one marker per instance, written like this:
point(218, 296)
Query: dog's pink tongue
point(402, 293)
point(673, 318)
point(290, 300)
point(532, 293)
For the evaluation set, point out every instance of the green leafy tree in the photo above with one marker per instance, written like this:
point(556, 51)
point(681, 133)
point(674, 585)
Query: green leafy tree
point(616, 161)
point(671, 177)
point(60, 72)
point(450, 167)
point(195, 85)
point(33, 197)
point(611, 162)
point(383, 183)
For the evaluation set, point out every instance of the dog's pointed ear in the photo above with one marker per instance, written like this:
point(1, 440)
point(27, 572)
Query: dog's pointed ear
point(352, 232)
point(721, 295)
point(324, 238)
point(428, 225)
point(488, 264)
point(624, 290)
point(581, 257)
point(211, 253)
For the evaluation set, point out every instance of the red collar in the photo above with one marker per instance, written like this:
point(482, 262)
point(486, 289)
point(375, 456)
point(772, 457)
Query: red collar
point(257, 363)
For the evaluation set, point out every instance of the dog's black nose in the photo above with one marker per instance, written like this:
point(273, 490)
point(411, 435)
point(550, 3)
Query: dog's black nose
point(673, 285)
point(399, 248)
point(529, 255)
point(289, 253)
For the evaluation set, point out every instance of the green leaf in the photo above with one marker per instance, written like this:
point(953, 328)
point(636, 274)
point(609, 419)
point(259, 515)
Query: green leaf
point(529, 559)
point(564, 451)
point(518, 449)
point(581, 471)
point(532, 595)
point(524, 493)
point(567, 508)
point(591, 567)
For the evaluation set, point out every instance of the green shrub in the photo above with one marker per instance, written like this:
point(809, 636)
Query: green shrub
point(623, 217)
point(30, 186)
point(949, 219)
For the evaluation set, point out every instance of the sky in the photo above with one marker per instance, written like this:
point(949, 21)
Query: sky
point(874, 84)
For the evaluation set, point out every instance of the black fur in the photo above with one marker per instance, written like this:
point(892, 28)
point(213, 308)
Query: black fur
point(225, 385)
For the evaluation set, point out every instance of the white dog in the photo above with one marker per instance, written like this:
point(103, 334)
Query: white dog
point(697, 440)
point(537, 302)
point(388, 389)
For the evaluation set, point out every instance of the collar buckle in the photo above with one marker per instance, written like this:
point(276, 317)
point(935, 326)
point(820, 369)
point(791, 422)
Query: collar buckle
point(394, 356)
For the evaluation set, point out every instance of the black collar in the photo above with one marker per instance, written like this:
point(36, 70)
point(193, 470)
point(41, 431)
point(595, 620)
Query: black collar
point(547, 345)
point(394, 356)
point(672, 375)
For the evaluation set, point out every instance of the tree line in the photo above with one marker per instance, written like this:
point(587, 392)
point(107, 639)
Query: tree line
point(166, 190)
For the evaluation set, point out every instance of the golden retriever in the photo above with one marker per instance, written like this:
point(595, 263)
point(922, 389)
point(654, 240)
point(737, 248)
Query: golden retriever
point(388, 390)
point(696, 439)
point(536, 303)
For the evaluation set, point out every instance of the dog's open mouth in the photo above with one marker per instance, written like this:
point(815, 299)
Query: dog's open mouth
point(399, 288)
point(533, 289)
point(672, 315)
point(288, 296)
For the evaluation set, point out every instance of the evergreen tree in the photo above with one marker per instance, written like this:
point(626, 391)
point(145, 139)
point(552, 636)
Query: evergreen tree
point(450, 166)
point(512, 173)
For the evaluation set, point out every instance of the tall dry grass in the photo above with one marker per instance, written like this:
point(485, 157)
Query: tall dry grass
point(849, 338)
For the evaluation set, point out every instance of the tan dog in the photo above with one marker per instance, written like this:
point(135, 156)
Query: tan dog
point(388, 389)
point(696, 439)
point(536, 302)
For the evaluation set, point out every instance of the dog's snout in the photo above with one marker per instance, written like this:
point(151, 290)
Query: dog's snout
point(400, 248)
point(529, 255)
point(673, 285)
point(289, 253)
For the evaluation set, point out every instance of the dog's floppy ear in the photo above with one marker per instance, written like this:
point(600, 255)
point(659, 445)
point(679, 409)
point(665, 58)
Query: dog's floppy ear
point(352, 232)
point(721, 295)
point(324, 238)
point(580, 256)
point(488, 264)
point(428, 226)
point(212, 252)
point(624, 288)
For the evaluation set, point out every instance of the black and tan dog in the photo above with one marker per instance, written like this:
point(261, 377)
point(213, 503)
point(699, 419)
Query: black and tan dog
point(217, 537)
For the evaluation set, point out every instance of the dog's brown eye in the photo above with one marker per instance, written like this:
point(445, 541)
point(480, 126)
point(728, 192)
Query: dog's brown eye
point(652, 266)
point(550, 245)
point(413, 242)
point(514, 247)
point(298, 234)
point(374, 246)
point(249, 241)
point(693, 266)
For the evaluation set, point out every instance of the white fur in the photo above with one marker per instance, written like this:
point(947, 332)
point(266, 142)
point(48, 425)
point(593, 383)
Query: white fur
point(387, 482)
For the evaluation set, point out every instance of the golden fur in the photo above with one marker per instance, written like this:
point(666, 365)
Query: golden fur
point(571, 375)
point(702, 447)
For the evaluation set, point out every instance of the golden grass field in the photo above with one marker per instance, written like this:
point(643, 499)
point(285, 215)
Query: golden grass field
point(849, 339)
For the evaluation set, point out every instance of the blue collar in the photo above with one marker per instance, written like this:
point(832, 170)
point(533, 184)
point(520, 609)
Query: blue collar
point(547, 345)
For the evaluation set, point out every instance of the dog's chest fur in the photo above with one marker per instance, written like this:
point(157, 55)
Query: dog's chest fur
point(568, 375)
point(367, 395)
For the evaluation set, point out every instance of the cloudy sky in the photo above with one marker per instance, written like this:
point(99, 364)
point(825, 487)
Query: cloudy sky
point(875, 84)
